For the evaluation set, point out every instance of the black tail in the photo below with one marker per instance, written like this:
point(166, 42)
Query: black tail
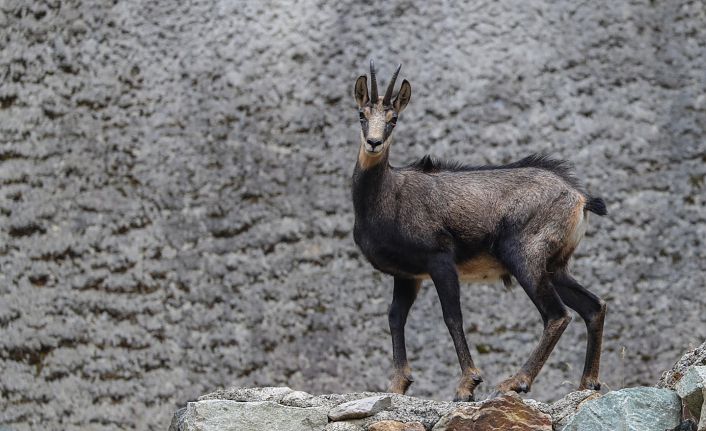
point(597, 206)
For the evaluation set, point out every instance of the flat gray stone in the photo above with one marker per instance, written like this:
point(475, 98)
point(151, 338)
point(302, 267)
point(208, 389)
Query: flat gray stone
point(228, 415)
point(633, 409)
point(404, 408)
point(361, 408)
point(267, 393)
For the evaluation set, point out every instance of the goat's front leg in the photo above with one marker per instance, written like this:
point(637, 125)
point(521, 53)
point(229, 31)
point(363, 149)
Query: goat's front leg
point(403, 296)
point(443, 273)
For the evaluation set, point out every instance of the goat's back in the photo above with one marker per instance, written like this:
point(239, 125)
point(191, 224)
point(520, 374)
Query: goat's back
point(535, 205)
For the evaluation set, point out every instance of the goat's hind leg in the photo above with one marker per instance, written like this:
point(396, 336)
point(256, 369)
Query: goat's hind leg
point(592, 310)
point(403, 296)
point(533, 279)
point(445, 277)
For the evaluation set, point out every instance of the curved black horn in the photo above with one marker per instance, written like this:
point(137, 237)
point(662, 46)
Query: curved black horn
point(391, 87)
point(373, 84)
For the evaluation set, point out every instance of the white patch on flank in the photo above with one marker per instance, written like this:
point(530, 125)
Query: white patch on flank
point(579, 230)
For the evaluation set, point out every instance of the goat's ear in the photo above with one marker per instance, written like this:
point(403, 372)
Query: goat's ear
point(403, 97)
point(361, 91)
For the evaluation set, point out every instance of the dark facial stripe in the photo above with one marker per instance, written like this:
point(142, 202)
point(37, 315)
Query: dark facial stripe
point(363, 123)
point(388, 131)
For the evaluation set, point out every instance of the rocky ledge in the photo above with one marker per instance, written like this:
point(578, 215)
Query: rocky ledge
point(283, 409)
point(675, 404)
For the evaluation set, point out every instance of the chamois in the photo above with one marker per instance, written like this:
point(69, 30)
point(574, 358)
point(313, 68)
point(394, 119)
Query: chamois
point(445, 221)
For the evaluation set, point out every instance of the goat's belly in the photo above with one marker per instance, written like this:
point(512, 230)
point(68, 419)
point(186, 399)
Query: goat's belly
point(482, 268)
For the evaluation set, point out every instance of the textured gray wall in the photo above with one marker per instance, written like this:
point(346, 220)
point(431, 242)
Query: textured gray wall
point(175, 211)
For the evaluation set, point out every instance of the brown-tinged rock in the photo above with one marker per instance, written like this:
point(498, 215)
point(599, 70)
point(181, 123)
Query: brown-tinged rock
point(396, 426)
point(506, 413)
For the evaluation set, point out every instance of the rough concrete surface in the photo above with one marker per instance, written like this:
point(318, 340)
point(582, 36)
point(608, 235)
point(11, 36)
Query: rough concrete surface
point(175, 210)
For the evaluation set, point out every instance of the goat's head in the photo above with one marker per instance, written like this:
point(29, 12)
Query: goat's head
point(378, 115)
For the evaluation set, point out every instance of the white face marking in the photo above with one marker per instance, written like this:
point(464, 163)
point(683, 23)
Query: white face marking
point(376, 124)
point(377, 121)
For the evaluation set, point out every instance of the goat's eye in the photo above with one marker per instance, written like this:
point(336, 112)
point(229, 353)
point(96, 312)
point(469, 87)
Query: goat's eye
point(393, 121)
point(362, 116)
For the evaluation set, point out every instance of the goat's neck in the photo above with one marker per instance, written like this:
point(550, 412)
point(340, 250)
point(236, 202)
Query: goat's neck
point(371, 184)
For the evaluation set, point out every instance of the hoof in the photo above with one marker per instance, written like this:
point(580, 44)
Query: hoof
point(593, 384)
point(518, 383)
point(458, 398)
point(470, 380)
point(400, 383)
